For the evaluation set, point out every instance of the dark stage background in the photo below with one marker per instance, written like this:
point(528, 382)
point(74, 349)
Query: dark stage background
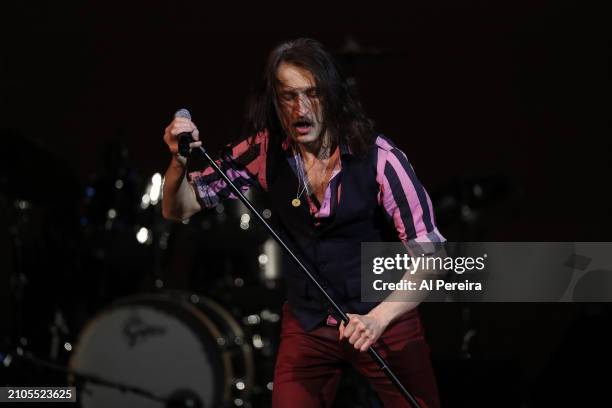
point(506, 97)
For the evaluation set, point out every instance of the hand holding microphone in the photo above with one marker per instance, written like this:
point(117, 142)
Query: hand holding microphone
point(182, 135)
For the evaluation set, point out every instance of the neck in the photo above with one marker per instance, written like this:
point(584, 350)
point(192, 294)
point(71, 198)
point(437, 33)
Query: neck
point(321, 149)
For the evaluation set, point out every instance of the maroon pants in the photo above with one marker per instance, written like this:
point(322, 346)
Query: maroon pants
point(309, 364)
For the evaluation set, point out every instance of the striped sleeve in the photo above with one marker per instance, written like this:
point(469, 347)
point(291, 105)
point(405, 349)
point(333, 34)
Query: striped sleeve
point(405, 200)
point(244, 163)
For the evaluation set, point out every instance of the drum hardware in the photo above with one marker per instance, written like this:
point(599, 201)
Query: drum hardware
point(58, 330)
point(18, 279)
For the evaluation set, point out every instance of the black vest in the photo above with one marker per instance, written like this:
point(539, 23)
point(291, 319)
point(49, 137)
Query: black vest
point(331, 251)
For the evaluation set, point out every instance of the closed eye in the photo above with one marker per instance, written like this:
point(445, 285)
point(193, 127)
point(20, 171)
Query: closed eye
point(312, 92)
point(287, 96)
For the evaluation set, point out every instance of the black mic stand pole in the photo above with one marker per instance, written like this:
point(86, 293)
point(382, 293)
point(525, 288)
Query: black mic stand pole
point(373, 353)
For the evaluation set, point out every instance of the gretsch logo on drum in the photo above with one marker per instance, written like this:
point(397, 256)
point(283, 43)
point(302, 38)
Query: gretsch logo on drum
point(137, 331)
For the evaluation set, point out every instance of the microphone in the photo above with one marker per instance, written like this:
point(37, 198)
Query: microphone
point(183, 138)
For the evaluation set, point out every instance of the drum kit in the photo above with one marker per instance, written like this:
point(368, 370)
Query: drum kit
point(150, 313)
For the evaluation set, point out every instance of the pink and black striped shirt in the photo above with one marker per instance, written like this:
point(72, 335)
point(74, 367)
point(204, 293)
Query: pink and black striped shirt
point(405, 201)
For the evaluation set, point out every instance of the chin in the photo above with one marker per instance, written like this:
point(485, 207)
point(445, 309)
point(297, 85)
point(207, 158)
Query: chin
point(307, 138)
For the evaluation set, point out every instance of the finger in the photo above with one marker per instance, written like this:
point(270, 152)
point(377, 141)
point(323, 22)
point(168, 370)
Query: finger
point(356, 336)
point(187, 126)
point(195, 144)
point(360, 342)
point(195, 134)
point(341, 330)
point(358, 329)
point(178, 129)
point(168, 133)
point(179, 119)
point(366, 345)
point(350, 329)
point(183, 122)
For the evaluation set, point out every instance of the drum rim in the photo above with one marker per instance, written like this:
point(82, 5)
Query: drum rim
point(247, 352)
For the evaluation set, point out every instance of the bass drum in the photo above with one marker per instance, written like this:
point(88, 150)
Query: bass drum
point(168, 344)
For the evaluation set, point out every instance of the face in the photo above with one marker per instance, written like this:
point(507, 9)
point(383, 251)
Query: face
point(298, 103)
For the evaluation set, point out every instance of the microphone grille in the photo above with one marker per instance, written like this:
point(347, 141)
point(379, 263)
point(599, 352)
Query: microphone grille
point(183, 113)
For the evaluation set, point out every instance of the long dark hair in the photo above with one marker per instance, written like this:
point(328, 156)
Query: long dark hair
point(343, 115)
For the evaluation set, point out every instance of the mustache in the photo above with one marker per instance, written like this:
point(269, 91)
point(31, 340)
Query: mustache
point(303, 122)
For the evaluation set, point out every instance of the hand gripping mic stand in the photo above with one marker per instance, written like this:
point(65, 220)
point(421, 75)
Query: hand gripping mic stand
point(184, 140)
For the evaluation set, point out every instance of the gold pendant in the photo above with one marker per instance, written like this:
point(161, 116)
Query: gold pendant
point(296, 202)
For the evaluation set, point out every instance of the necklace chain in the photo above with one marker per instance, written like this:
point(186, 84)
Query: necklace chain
point(303, 175)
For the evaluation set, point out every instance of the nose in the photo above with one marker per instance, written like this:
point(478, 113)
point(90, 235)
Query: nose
point(301, 105)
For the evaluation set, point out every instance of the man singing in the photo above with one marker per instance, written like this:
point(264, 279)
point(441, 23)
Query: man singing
point(334, 183)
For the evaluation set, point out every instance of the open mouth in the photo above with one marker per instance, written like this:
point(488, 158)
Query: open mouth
point(303, 126)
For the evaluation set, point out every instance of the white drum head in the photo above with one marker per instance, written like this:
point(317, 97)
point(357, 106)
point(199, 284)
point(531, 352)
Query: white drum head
point(156, 345)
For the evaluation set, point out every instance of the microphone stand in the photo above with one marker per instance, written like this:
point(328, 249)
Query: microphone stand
point(383, 365)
